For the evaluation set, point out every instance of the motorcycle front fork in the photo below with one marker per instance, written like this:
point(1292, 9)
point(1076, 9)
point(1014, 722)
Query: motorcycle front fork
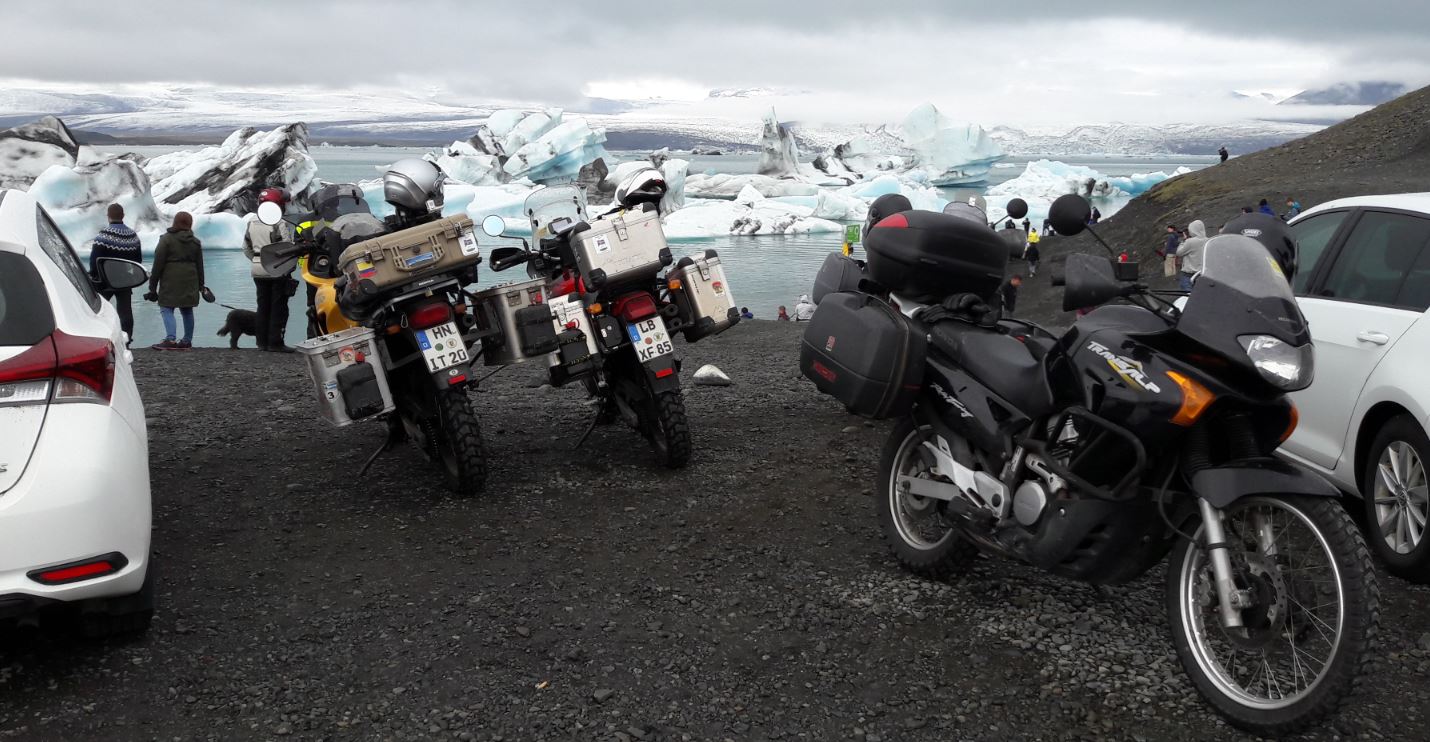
point(1231, 599)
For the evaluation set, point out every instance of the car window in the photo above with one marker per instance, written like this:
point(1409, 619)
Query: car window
point(1379, 253)
point(1313, 235)
point(1415, 292)
point(53, 242)
point(25, 316)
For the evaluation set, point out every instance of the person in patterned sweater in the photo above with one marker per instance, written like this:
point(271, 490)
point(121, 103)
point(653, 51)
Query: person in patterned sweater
point(116, 241)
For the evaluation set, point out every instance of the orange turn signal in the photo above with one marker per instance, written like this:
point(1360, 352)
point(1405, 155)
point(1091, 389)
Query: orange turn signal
point(1292, 418)
point(1195, 399)
point(594, 308)
point(674, 284)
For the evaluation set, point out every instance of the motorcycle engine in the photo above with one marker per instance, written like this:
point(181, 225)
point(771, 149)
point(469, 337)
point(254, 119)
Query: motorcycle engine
point(1028, 502)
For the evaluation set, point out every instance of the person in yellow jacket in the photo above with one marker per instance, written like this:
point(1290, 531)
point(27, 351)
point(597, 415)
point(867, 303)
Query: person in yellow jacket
point(1030, 252)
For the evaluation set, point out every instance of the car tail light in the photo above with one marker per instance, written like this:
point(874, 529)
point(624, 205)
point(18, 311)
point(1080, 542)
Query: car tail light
point(429, 315)
point(59, 368)
point(634, 306)
point(87, 569)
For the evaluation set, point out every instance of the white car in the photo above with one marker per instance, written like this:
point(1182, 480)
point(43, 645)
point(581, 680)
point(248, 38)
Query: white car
point(1363, 283)
point(74, 452)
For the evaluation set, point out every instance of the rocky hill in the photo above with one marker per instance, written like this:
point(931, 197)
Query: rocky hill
point(1385, 150)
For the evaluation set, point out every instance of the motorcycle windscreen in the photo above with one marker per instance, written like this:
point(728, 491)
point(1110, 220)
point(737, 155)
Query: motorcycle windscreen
point(1241, 291)
point(552, 209)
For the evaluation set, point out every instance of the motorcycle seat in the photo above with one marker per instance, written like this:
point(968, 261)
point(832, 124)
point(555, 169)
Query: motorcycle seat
point(1000, 361)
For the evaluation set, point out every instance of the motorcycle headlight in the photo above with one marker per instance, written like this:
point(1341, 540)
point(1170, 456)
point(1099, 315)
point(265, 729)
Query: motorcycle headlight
point(1289, 367)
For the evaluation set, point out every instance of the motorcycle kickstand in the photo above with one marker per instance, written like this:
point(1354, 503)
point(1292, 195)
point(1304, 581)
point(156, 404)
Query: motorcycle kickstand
point(394, 436)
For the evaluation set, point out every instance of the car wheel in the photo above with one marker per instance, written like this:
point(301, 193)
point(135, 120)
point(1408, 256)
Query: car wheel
point(126, 615)
point(1397, 503)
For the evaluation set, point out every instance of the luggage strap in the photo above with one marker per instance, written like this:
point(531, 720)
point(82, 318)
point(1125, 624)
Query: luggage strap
point(969, 308)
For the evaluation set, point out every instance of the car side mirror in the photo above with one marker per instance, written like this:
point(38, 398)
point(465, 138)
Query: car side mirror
point(1090, 281)
point(119, 274)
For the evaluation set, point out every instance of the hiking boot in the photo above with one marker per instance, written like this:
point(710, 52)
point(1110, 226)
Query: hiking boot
point(165, 345)
point(183, 345)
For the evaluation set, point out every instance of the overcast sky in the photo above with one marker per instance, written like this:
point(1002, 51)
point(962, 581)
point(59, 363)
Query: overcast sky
point(1047, 62)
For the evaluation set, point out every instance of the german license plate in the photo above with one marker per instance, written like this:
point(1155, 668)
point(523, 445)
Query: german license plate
point(442, 346)
point(649, 338)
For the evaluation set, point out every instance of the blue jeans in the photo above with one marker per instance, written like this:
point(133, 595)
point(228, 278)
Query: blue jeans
point(167, 313)
point(1184, 280)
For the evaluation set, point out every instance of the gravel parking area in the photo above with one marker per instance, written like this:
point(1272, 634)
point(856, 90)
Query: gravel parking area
point(589, 595)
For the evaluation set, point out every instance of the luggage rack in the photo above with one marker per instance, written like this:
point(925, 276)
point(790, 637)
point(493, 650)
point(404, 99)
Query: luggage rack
point(1090, 443)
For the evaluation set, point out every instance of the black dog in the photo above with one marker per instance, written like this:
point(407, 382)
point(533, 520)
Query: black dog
point(240, 322)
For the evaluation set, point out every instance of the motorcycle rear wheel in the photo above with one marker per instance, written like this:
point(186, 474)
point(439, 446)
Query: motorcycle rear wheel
point(670, 432)
point(917, 536)
point(1307, 640)
point(457, 443)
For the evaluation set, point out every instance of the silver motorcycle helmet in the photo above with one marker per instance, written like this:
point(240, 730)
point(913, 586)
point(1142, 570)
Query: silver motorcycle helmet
point(643, 186)
point(412, 183)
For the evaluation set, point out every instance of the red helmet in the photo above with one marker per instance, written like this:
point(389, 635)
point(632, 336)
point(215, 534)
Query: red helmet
point(276, 195)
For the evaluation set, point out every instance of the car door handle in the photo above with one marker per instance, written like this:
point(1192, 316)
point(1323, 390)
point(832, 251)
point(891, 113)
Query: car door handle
point(1371, 336)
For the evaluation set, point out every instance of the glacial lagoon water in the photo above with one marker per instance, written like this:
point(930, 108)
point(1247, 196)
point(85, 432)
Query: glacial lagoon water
point(764, 272)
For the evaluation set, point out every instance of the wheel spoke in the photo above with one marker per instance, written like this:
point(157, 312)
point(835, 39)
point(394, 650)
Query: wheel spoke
point(1404, 453)
point(1390, 518)
point(1388, 477)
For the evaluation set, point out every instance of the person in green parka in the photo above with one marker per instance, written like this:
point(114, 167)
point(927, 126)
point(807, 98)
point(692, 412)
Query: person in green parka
point(176, 279)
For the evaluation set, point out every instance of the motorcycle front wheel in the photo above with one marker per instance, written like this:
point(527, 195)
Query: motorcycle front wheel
point(1312, 617)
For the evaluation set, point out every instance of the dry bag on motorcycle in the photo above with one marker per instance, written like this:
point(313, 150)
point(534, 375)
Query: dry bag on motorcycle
point(619, 248)
point(699, 289)
point(926, 256)
point(838, 273)
point(861, 351)
point(402, 257)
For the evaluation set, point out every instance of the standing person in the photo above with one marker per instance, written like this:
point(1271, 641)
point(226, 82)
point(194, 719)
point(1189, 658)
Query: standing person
point(783, 315)
point(1170, 246)
point(803, 309)
point(1027, 225)
point(1265, 208)
point(1293, 208)
point(1009, 293)
point(1031, 254)
point(176, 280)
point(1047, 227)
point(117, 241)
point(1223, 153)
point(273, 290)
point(1191, 254)
point(745, 313)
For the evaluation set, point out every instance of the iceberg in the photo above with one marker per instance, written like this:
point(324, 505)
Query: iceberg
point(1139, 183)
point(949, 153)
point(727, 186)
point(704, 218)
point(779, 157)
point(30, 149)
point(542, 147)
point(228, 177)
point(76, 197)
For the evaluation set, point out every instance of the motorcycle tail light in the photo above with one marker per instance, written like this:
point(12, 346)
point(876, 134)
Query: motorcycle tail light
point(636, 306)
point(1195, 399)
point(428, 315)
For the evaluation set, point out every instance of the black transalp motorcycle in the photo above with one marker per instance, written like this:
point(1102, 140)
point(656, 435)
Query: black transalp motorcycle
point(1144, 432)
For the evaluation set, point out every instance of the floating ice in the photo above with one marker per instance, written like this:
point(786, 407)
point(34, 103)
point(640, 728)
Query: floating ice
point(464, 163)
point(779, 157)
point(703, 218)
point(1139, 183)
point(543, 147)
point(77, 197)
point(948, 152)
point(727, 186)
point(228, 177)
point(30, 149)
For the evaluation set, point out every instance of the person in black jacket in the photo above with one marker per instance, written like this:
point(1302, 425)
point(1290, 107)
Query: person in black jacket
point(116, 241)
point(1009, 294)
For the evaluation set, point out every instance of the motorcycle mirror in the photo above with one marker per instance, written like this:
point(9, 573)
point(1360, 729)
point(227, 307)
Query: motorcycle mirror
point(1057, 274)
point(279, 258)
point(506, 257)
point(1090, 281)
point(270, 213)
point(1069, 214)
point(1017, 208)
point(493, 225)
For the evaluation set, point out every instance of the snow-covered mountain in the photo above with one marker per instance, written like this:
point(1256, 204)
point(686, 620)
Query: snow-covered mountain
point(418, 118)
point(1348, 94)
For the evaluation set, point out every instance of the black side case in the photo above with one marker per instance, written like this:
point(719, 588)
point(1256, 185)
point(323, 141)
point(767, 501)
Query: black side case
point(362, 396)
point(838, 273)
point(861, 351)
point(535, 326)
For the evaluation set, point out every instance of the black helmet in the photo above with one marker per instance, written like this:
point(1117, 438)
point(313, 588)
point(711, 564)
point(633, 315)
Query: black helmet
point(886, 205)
point(1272, 233)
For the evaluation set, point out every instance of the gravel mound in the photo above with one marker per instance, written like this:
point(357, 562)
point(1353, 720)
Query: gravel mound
point(590, 595)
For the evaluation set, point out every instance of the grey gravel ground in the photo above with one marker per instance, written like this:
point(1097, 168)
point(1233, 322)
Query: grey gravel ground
point(589, 595)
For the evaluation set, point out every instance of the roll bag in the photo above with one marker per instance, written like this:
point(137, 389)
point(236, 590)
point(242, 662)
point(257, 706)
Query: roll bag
point(838, 273)
point(620, 248)
point(926, 256)
point(417, 252)
point(706, 305)
point(864, 353)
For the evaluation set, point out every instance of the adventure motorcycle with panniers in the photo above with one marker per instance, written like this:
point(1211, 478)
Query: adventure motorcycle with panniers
point(390, 318)
point(603, 309)
point(1144, 432)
